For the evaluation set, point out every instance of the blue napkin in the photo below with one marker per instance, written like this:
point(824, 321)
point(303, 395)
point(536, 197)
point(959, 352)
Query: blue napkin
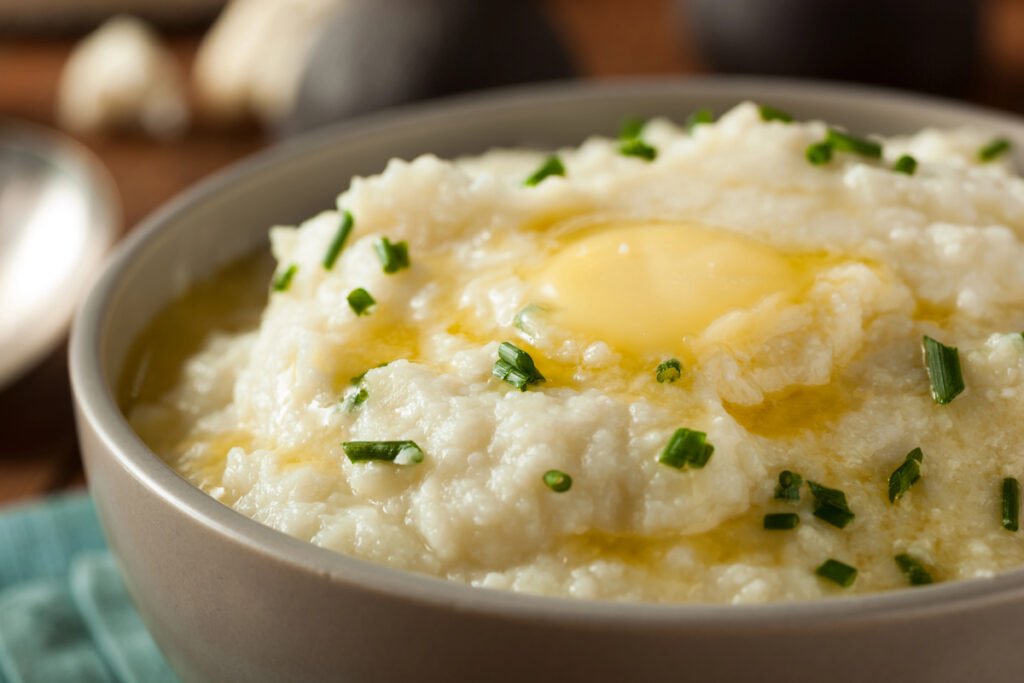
point(64, 612)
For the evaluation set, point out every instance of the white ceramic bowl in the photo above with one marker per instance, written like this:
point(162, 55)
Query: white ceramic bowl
point(228, 599)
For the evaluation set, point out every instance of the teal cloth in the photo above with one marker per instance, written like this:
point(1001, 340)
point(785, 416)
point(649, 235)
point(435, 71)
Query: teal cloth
point(64, 612)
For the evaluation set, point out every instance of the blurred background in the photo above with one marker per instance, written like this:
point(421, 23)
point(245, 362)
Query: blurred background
point(164, 93)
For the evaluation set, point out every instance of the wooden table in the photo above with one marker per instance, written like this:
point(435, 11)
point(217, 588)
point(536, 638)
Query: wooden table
point(38, 451)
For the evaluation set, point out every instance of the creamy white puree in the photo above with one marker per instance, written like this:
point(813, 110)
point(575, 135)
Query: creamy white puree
point(824, 377)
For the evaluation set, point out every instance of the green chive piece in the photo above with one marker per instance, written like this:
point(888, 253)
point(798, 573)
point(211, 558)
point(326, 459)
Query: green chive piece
point(1011, 504)
point(358, 399)
point(686, 448)
point(516, 367)
point(393, 257)
point(917, 574)
point(699, 117)
point(770, 113)
point(398, 452)
point(830, 505)
point(551, 166)
point(525, 320)
point(283, 281)
point(994, 149)
point(837, 572)
point(519, 359)
point(833, 515)
point(943, 364)
point(905, 475)
point(905, 164)
point(632, 128)
point(842, 142)
point(819, 153)
point(559, 482)
point(789, 486)
point(359, 378)
point(361, 301)
point(781, 521)
point(505, 372)
point(338, 243)
point(638, 148)
point(669, 370)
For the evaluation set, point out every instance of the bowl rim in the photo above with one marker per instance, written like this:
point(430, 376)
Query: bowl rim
point(98, 408)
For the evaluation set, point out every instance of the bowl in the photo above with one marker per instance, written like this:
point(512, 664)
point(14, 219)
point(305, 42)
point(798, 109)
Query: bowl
point(228, 599)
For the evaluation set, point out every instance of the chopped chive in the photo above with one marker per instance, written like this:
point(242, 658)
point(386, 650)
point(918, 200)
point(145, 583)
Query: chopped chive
point(781, 521)
point(516, 367)
point(699, 117)
point(358, 399)
point(551, 166)
point(393, 256)
point(504, 371)
point(524, 320)
point(360, 301)
point(913, 569)
point(519, 359)
point(686, 447)
point(830, 505)
point(789, 486)
point(632, 128)
point(819, 153)
point(283, 281)
point(847, 143)
point(905, 164)
point(770, 113)
point(943, 364)
point(669, 370)
point(559, 482)
point(398, 452)
point(359, 378)
point(1011, 504)
point(993, 149)
point(905, 475)
point(835, 516)
point(638, 148)
point(338, 243)
point(837, 572)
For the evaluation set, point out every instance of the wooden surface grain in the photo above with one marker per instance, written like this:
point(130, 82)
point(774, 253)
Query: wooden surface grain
point(38, 451)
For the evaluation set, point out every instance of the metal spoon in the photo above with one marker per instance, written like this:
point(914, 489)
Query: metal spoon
point(59, 214)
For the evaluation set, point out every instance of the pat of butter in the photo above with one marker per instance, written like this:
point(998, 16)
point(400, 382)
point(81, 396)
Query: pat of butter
point(646, 287)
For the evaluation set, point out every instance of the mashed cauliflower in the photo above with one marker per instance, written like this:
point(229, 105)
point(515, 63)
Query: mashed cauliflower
point(794, 297)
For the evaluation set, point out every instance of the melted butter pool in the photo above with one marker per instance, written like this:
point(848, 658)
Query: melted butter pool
point(648, 287)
